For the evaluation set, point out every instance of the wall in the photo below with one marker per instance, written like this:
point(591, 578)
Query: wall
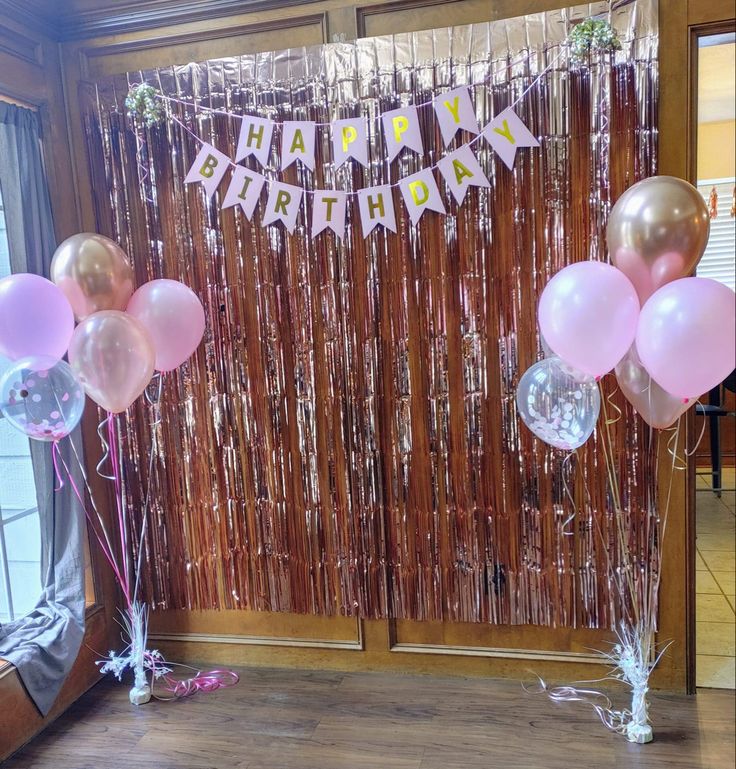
point(717, 149)
point(100, 41)
point(30, 75)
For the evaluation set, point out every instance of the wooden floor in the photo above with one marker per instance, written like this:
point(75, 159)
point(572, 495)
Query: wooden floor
point(287, 719)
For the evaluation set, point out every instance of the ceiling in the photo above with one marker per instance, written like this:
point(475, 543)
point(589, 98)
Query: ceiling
point(717, 82)
point(69, 19)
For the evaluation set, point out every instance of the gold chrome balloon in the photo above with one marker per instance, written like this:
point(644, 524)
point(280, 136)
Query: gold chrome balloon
point(657, 232)
point(93, 272)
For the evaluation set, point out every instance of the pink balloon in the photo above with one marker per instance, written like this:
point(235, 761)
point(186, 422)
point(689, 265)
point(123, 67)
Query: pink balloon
point(112, 354)
point(687, 336)
point(173, 316)
point(588, 314)
point(36, 318)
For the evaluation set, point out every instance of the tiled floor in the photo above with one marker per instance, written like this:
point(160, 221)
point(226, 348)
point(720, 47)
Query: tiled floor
point(715, 578)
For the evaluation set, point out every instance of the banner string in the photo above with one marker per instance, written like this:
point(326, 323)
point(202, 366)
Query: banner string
point(430, 102)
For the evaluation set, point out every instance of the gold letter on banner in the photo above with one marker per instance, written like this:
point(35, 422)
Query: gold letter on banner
point(376, 207)
point(328, 212)
point(401, 129)
point(244, 190)
point(283, 205)
point(297, 143)
point(254, 139)
point(420, 193)
point(461, 170)
point(209, 167)
point(349, 140)
point(455, 111)
point(506, 133)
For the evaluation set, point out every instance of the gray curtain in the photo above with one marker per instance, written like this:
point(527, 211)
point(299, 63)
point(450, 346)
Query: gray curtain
point(44, 644)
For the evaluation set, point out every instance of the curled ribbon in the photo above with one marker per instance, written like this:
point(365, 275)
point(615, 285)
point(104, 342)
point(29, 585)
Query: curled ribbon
point(102, 428)
point(615, 720)
point(208, 681)
point(57, 472)
point(565, 469)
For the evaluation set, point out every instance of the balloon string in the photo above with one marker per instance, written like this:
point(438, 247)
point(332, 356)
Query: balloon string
point(618, 411)
point(83, 472)
point(106, 549)
point(565, 470)
point(115, 461)
point(57, 472)
point(208, 681)
point(689, 453)
point(678, 462)
point(101, 428)
point(154, 402)
point(612, 719)
point(609, 455)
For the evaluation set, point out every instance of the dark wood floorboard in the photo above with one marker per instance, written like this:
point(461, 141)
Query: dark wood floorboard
point(290, 719)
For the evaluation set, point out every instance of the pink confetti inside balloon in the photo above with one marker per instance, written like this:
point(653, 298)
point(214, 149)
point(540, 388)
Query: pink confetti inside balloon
point(44, 414)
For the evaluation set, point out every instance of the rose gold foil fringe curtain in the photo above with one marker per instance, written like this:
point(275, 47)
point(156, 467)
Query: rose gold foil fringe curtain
point(346, 440)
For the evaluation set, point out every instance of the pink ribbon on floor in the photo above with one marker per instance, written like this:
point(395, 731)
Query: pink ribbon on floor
point(208, 681)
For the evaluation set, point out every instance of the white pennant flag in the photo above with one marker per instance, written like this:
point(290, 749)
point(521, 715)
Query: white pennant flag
point(282, 205)
point(244, 190)
point(328, 212)
point(254, 139)
point(506, 133)
point(297, 143)
point(349, 140)
point(376, 207)
point(209, 167)
point(461, 171)
point(455, 111)
point(420, 193)
point(401, 129)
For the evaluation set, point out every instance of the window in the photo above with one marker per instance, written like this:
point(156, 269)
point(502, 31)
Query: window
point(719, 259)
point(20, 534)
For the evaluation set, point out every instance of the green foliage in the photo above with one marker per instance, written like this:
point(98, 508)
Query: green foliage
point(591, 36)
point(142, 104)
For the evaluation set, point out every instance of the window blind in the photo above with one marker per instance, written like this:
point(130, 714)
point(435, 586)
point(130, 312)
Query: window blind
point(719, 259)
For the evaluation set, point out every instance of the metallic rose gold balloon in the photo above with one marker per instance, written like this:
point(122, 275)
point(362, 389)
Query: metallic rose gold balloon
point(113, 355)
point(655, 406)
point(94, 273)
point(657, 232)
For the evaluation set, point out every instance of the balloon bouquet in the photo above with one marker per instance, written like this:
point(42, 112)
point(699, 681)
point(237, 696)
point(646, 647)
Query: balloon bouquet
point(122, 339)
point(669, 338)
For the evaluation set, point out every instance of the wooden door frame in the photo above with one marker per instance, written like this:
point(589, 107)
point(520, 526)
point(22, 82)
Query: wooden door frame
point(712, 24)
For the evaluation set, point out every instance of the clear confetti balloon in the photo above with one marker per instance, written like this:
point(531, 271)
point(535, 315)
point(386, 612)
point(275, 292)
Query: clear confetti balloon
point(42, 398)
point(556, 406)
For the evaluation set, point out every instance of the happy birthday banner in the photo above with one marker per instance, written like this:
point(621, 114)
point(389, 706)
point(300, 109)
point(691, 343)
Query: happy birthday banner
point(454, 111)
